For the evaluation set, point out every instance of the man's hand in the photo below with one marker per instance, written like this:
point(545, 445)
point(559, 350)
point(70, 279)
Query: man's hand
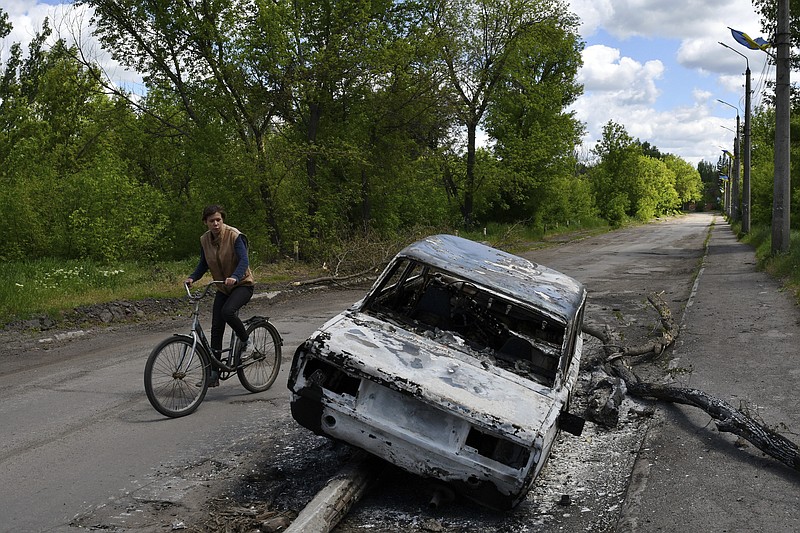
point(230, 282)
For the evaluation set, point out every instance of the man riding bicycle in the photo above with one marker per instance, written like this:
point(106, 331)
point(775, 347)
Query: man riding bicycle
point(223, 251)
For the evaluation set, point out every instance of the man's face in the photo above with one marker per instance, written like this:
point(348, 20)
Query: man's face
point(214, 223)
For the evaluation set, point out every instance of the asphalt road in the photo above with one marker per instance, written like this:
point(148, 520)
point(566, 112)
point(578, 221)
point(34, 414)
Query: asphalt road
point(739, 343)
point(79, 437)
point(82, 448)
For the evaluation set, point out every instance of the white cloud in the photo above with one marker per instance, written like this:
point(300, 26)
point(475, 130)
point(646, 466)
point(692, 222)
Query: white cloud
point(677, 19)
point(733, 83)
point(68, 22)
point(669, 98)
point(617, 88)
point(691, 132)
point(708, 55)
point(593, 14)
point(606, 71)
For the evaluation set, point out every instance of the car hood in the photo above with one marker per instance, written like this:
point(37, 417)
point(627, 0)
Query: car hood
point(444, 375)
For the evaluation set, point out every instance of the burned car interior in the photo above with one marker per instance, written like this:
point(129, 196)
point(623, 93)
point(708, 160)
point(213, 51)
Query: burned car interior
point(498, 330)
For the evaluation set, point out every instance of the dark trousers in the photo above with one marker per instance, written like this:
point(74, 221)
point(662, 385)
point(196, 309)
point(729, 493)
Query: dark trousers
point(226, 308)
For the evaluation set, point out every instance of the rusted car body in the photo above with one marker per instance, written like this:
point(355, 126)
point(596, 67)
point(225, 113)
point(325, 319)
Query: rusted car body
point(457, 365)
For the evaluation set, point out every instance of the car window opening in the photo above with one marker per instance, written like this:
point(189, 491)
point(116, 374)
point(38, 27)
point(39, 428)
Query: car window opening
point(497, 331)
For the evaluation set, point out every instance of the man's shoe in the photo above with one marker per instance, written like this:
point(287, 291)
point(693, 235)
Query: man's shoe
point(246, 351)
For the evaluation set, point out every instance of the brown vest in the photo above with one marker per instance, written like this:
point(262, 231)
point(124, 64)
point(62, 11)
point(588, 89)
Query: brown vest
point(221, 256)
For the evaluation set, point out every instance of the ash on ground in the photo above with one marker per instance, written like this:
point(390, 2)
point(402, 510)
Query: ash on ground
point(280, 467)
point(581, 488)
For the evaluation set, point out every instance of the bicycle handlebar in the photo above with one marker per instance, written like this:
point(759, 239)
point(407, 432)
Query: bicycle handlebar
point(199, 295)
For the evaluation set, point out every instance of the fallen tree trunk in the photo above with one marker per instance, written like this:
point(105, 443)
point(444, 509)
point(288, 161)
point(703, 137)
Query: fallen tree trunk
point(606, 395)
point(726, 417)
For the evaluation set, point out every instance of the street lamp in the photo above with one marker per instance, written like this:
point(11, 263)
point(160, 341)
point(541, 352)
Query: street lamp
point(726, 181)
point(746, 155)
point(735, 186)
point(731, 163)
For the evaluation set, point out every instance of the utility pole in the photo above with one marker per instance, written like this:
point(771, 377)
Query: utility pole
point(725, 174)
point(736, 170)
point(781, 190)
point(729, 208)
point(746, 155)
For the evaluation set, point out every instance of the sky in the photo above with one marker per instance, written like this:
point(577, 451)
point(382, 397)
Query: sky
point(652, 66)
point(657, 68)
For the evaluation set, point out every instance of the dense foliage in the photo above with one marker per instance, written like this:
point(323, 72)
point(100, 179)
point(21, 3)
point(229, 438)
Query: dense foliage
point(762, 173)
point(633, 180)
point(313, 122)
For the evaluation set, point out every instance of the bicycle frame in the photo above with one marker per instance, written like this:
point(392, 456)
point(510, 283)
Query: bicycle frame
point(198, 335)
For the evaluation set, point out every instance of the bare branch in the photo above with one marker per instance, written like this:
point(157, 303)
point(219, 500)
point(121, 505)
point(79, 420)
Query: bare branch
point(669, 333)
point(336, 279)
point(726, 417)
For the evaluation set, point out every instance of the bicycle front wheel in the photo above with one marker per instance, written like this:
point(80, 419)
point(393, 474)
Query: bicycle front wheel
point(259, 370)
point(175, 377)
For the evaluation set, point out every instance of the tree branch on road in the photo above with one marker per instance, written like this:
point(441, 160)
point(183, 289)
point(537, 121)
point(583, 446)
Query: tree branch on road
point(726, 417)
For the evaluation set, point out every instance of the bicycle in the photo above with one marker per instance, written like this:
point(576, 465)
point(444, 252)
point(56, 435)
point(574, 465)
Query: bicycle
point(177, 372)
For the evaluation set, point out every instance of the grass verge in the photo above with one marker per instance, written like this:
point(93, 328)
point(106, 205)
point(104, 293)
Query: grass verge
point(785, 267)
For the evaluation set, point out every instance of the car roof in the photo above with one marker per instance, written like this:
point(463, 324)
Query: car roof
point(529, 282)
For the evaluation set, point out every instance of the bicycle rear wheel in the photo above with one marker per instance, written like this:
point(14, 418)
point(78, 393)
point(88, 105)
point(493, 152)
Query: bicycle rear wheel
point(175, 377)
point(259, 370)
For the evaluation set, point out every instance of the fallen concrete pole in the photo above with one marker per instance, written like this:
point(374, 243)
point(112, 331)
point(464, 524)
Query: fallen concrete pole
point(333, 502)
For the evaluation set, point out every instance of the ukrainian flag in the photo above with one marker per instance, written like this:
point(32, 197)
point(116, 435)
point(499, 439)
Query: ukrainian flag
point(745, 40)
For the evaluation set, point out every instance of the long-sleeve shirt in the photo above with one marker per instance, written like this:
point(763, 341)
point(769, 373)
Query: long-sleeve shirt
point(241, 268)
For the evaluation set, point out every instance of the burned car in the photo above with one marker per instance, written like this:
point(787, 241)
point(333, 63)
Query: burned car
point(457, 365)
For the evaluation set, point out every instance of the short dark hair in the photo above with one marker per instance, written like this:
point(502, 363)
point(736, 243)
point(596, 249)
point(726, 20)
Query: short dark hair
point(211, 209)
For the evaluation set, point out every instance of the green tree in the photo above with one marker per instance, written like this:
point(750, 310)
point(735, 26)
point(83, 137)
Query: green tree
point(5, 25)
point(613, 179)
point(535, 134)
point(688, 183)
point(288, 89)
point(367, 104)
point(479, 43)
point(650, 150)
point(654, 192)
point(710, 178)
point(627, 183)
point(762, 173)
point(762, 169)
point(768, 10)
point(223, 63)
point(57, 128)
